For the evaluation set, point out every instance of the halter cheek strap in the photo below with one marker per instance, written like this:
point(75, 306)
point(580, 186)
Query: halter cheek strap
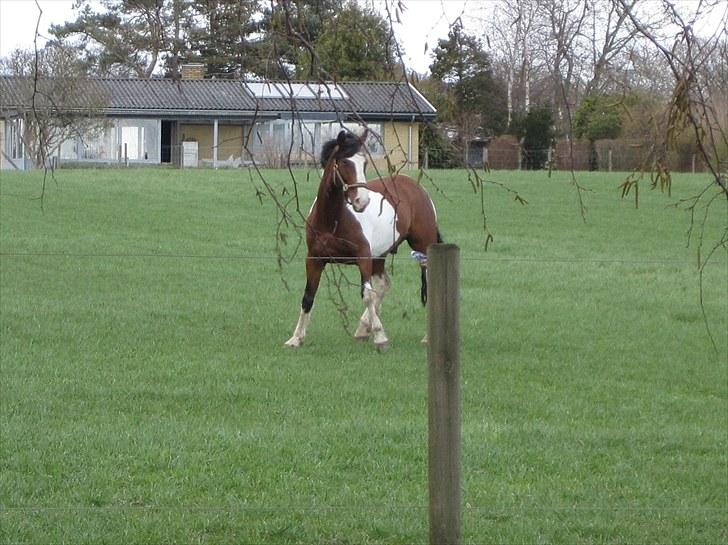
point(346, 187)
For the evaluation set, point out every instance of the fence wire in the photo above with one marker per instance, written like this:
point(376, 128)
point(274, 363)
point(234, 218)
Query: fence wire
point(341, 259)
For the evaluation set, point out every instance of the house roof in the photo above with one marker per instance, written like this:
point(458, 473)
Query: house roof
point(218, 98)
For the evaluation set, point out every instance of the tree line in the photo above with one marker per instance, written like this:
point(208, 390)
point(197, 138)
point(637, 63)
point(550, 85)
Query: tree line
point(300, 39)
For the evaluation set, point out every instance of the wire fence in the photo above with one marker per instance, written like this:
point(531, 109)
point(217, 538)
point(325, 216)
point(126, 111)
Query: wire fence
point(341, 259)
point(581, 158)
point(357, 508)
point(231, 154)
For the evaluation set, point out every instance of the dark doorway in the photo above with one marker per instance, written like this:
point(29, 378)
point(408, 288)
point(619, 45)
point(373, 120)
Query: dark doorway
point(167, 133)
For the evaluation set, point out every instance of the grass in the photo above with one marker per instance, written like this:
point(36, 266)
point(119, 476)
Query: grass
point(146, 396)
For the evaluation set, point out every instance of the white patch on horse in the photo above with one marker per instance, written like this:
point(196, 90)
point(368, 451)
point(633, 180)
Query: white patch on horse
point(299, 334)
point(360, 164)
point(378, 223)
point(361, 199)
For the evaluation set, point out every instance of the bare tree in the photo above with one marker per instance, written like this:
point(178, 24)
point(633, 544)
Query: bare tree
point(610, 36)
point(697, 106)
point(559, 29)
point(509, 32)
point(54, 101)
point(697, 102)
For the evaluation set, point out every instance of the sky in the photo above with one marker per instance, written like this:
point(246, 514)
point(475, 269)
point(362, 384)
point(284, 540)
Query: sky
point(423, 23)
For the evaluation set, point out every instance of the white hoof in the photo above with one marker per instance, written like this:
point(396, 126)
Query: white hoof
point(380, 339)
point(361, 333)
point(424, 339)
point(294, 342)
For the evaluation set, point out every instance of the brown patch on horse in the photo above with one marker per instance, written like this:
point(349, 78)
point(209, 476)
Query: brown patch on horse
point(416, 218)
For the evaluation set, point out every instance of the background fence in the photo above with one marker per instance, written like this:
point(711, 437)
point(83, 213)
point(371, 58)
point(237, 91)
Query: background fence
point(505, 153)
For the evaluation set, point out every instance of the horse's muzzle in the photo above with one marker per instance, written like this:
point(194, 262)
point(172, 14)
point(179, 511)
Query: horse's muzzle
point(360, 199)
point(358, 206)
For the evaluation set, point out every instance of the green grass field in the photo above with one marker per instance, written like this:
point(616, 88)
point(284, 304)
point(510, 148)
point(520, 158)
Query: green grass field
point(147, 398)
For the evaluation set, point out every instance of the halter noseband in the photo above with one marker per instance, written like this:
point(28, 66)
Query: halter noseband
point(346, 187)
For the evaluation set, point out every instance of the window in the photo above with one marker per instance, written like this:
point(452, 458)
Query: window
point(264, 90)
point(329, 90)
point(140, 139)
point(99, 144)
point(68, 150)
point(14, 139)
point(296, 90)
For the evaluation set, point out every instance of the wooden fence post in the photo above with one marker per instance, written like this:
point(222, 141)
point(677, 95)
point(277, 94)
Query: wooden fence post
point(443, 334)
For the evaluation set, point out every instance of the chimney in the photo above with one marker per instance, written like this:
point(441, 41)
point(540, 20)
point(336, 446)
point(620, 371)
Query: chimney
point(193, 70)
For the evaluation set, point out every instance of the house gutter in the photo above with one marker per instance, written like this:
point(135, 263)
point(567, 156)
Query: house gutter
point(237, 114)
point(389, 116)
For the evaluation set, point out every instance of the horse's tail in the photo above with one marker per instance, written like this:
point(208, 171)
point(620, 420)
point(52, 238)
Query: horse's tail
point(423, 275)
point(423, 287)
point(422, 260)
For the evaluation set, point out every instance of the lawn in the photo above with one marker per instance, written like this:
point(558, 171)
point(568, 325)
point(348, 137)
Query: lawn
point(147, 398)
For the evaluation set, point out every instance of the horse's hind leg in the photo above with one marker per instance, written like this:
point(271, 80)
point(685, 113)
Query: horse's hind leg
point(380, 285)
point(314, 268)
point(420, 255)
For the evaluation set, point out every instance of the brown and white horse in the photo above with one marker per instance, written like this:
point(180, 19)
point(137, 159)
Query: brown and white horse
point(357, 222)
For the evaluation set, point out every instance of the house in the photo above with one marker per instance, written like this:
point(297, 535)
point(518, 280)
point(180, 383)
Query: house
point(212, 122)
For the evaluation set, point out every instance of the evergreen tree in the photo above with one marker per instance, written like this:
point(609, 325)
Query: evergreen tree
point(536, 133)
point(477, 98)
point(309, 39)
point(597, 117)
point(289, 30)
point(123, 38)
point(221, 35)
point(356, 44)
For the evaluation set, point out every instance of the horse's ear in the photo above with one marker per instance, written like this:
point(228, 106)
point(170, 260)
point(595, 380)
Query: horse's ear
point(341, 139)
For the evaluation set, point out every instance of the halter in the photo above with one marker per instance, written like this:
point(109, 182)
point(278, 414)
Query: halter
point(346, 187)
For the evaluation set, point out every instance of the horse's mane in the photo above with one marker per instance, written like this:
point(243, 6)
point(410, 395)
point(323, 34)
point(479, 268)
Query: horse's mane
point(348, 144)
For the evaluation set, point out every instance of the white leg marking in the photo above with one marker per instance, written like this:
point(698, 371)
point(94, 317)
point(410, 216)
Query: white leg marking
point(370, 302)
point(299, 334)
point(362, 330)
point(380, 285)
point(382, 288)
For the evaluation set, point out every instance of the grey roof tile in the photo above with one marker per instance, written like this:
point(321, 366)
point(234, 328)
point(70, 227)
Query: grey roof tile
point(190, 98)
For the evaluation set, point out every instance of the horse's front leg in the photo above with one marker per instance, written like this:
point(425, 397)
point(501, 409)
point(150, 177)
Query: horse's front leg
point(371, 300)
point(380, 284)
point(314, 268)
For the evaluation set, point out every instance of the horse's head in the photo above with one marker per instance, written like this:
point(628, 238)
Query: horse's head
point(345, 156)
point(352, 174)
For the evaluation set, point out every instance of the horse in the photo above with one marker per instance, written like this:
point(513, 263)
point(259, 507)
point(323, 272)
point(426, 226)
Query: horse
point(353, 221)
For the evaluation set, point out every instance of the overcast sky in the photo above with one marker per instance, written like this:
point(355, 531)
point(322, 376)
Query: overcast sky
point(424, 22)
